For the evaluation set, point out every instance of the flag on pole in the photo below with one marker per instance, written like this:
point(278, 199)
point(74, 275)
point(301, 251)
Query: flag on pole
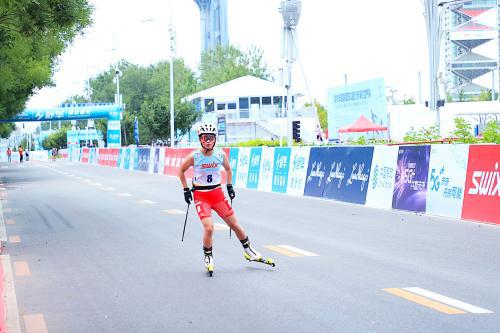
point(136, 131)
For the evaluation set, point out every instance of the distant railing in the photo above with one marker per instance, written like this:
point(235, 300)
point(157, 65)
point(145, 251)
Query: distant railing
point(265, 112)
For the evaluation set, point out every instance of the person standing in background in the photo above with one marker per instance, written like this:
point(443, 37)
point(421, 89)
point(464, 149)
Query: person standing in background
point(9, 154)
point(20, 154)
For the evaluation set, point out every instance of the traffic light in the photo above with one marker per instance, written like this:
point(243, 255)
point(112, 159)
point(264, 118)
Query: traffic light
point(296, 130)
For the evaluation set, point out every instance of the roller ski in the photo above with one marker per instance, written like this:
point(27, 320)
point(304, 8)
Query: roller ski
point(252, 255)
point(209, 261)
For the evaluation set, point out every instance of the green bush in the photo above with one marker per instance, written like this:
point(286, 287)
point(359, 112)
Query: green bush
point(491, 132)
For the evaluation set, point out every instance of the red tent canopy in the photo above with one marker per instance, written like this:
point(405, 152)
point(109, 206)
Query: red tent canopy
point(362, 125)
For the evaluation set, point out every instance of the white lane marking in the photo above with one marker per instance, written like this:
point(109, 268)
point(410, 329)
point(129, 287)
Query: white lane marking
point(124, 194)
point(97, 184)
point(77, 177)
point(108, 188)
point(13, 320)
point(447, 300)
point(300, 251)
point(146, 201)
point(4, 167)
point(173, 211)
point(87, 180)
point(220, 226)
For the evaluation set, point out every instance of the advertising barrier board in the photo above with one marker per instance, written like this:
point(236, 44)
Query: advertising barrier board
point(446, 179)
point(482, 184)
point(266, 170)
point(382, 176)
point(233, 162)
point(348, 174)
point(254, 168)
point(242, 167)
point(299, 160)
point(280, 169)
point(410, 185)
point(319, 160)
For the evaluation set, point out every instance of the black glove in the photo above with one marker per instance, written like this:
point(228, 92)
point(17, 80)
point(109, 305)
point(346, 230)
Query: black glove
point(230, 191)
point(187, 195)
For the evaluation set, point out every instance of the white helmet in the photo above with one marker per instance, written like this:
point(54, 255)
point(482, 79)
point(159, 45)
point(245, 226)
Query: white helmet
point(207, 129)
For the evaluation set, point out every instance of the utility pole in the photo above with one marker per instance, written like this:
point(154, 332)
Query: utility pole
point(172, 50)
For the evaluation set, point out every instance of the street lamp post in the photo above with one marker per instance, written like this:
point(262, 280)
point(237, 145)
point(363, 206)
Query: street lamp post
point(172, 120)
point(290, 11)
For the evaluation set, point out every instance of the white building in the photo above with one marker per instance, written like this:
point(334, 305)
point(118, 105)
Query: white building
point(247, 108)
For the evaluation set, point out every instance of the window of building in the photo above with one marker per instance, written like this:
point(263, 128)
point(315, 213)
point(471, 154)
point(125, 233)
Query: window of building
point(221, 106)
point(231, 106)
point(209, 105)
point(277, 101)
point(266, 100)
point(244, 103)
point(255, 100)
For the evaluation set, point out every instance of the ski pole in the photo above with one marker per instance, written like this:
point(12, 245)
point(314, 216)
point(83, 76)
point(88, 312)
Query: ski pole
point(185, 220)
point(230, 227)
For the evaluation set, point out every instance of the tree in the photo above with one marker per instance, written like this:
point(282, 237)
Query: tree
point(56, 140)
point(322, 114)
point(228, 63)
point(32, 35)
point(463, 131)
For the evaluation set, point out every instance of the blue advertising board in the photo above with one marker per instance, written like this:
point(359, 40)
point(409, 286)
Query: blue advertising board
point(410, 187)
point(348, 174)
point(280, 170)
point(348, 102)
point(319, 160)
point(143, 159)
point(254, 167)
point(233, 162)
point(156, 160)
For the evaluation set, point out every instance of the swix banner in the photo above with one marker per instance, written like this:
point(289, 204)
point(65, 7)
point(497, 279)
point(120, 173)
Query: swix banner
point(482, 184)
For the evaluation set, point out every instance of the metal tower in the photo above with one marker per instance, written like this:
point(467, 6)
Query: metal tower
point(469, 28)
point(213, 23)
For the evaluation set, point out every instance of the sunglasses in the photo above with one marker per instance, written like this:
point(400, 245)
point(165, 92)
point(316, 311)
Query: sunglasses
point(208, 137)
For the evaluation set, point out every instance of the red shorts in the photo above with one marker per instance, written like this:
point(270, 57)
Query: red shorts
point(214, 199)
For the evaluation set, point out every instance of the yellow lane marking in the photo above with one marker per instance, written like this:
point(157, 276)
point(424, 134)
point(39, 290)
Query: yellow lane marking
point(10, 221)
point(35, 324)
point(283, 251)
point(14, 239)
point(423, 301)
point(7, 210)
point(22, 268)
point(173, 211)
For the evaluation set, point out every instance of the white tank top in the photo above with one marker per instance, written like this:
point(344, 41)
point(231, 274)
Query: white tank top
point(207, 168)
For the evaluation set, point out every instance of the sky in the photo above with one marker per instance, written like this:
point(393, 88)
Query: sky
point(362, 39)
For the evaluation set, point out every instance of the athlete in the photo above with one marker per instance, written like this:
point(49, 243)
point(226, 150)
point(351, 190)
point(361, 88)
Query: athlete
point(208, 193)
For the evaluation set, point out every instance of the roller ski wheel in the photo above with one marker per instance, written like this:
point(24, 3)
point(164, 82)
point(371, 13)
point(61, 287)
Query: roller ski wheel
point(210, 270)
point(266, 261)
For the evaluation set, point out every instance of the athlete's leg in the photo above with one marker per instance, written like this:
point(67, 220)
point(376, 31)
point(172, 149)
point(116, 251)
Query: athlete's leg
point(208, 227)
point(232, 223)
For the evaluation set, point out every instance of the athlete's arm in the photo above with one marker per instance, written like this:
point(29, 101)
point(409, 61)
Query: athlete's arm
point(227, 167)
point(186, 164)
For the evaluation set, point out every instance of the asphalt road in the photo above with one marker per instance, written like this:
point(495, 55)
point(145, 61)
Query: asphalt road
point(94, 250)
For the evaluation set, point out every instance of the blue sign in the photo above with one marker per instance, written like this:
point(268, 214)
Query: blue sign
point(254, 167)
point(143, 159)
point(347, 177)
point(280, 171)
point(319, 160)
point(68, 113)
point(233, 162)
point(136, 159)
point(114, 138)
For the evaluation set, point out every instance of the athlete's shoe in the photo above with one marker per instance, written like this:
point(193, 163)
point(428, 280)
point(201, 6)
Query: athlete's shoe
point(209, 262)
point(252, 254)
